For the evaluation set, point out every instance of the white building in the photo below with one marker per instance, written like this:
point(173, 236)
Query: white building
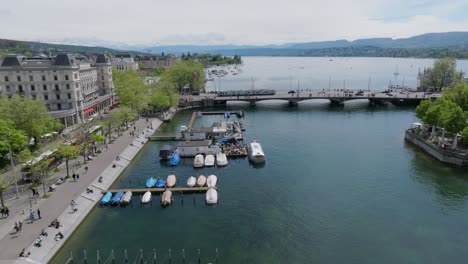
point(124, 62)
point(71, 88)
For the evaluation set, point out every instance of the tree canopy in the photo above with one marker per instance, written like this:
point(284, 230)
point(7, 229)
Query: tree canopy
point(185, 73)
point(443, 74)
point(17, 138)
point(131, 89)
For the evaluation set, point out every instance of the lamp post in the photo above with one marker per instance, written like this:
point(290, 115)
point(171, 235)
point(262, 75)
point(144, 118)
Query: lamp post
point(13, 167)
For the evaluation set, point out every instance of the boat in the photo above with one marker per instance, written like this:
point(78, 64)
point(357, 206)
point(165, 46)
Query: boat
point(211, 181)
point(116, 198)
point(227, 115)
point(240, 114)
point(256, 154)
point(209, 160)
point(191, 181)
point(166, 198)
point(221, 160)
point(201, 181)
point(126, 198)
point(165, 152)
point(175, 160)
point(150, 183)
point(146, 197)
point(161, 183)
point(198, 161)
point(106, 198)
point(171, 181)
point(211, 196)
point(199, 114)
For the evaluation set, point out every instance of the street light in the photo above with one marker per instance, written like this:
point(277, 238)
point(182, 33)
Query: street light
point(13, 167)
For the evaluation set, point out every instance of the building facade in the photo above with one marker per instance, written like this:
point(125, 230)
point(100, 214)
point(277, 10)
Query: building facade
point(124, 62)
point(72, 88)
point(153, 62)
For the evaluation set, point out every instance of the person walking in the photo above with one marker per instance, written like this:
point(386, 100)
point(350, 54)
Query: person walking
point(39, 213)
point(86, 169)
point(74, 177)
point(31, 215)
point(77, 177)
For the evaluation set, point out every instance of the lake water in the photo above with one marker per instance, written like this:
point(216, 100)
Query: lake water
point(340, 186)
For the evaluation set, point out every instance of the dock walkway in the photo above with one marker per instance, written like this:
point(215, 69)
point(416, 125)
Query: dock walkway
point(160, 190)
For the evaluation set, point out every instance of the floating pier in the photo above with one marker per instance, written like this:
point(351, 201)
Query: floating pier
point(166, 137)
point(161, 190)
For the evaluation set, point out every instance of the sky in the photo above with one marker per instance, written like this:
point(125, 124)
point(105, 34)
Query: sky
point(210, 22)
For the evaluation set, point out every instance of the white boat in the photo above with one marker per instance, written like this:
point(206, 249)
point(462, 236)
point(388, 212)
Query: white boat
point(209, 160)
point(201, 181)
point(198, 161)
point(256, 154)
point(211, 181)
point(211, 196)
point(146, 197)
point(221, 159)
point(166, 198)
point(171, 181)
point(191, 181)
point(126, 198)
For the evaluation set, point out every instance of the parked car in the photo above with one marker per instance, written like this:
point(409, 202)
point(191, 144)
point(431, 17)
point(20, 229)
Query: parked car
point(291, 92)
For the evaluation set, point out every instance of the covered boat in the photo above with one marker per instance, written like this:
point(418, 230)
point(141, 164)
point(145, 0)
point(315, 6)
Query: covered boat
point(146, 197)
point(191, 181)
point(116, 198)
point(211, 181)
point(201, 181)
point(198, 161)
point(221, 159)
point(211, 196)
point(165, 152)
point(171, 181)
point(106, 198)
point(150, 183)
point(161, 183)
point(175, 160)
point(126, 198)
point(256, 154)
point(166, 198)
point(227, 114)
point(209, 160)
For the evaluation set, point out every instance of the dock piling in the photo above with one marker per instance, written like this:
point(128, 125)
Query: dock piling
point(199, 257)
point(125, 256)
point(85, 258)
point(216, 260)
point(154, 256)
point(183, 255)
point(170, 256)
point(141, 256)
point(98, 257)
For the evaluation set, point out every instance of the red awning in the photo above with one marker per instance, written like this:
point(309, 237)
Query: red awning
point(88, 110)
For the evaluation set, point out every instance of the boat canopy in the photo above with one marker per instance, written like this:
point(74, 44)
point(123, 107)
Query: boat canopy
point(416, 124)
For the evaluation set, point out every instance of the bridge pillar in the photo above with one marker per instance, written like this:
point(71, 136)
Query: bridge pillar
point(252, 103)
point(337, 101)
point(293, 103)
point(378, 102)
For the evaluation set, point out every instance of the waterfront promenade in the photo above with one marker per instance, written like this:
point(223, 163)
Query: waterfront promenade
point(58, 207)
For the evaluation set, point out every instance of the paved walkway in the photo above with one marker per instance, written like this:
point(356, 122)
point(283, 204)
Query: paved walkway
point(58, 205)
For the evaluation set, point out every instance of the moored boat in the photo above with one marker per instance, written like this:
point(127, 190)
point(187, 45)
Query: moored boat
point(198, 161)
point(106, 198)
point(146, 197)
point(191, 181)
point(209, 160)
point(116, 198)
point(126, 198)
point(166, 198)
point(201, 181)
point(175, 160)
point(150, 183)
point(256, 154)
point(161, 183)
point(211, 181)
point(165, 152)
point(211, 196)
point(171, 181)
point(221, 159)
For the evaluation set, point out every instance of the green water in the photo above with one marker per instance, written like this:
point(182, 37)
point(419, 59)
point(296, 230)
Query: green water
point(340, 186)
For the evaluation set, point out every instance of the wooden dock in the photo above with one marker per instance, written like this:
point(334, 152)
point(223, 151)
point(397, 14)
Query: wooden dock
point(194, 116)
point(166, 137)
point(161, 190)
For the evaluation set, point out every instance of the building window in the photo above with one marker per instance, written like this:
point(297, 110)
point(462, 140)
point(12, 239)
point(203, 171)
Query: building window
point(46, 97)
point(69, 95)
point(6, 79)
point(34, 97)
point(8, 88)
point(76, 85)
point(43, 77)
point(75, 76)
point(102, 78)
point(59, 106)
point(55, 78)
point(18, 78)
point(57, 87)
point(31, 78)
point(20, 89)
point(44, 87)
point(103, 84)
point(33, 88)
point(70, 106)
point(68, 86)
point(57, 96)
point(66, 77)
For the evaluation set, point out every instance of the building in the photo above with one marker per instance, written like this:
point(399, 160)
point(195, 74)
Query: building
point(124, 62)
point(152, 62)
point(72, 88)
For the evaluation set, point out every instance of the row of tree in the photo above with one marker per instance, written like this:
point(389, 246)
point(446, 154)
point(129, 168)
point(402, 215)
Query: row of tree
point(208, 59)
point(441, 75)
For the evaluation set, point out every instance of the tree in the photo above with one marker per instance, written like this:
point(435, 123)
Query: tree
point(97, 138)
point(131, 89)
point(68, 152)
point(5, 183)
point(124, 115)
point(464, 135)
point(163, 96)
point(184, 73)
point(42, 168)
point(8, 134)
point(458, 94)
point(442, 113)
point(443, 74)
point(109, 122)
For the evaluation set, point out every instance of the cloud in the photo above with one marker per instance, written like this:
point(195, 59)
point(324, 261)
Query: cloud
point(5, 12)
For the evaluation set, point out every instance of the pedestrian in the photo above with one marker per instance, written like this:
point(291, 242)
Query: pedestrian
point(39, 213)
point(7, 211)
point(77, 176)
point(31, 215)
point(74, 177)
point(86, 169)
point(33, 192)
point(134, 128)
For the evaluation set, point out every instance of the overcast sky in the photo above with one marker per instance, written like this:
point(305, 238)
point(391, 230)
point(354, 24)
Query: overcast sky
point(226, 22)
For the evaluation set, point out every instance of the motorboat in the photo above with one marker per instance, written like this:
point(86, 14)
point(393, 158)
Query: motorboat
point(161, 183)
point(227, 115)
point(150, 183)
point(166, 198)
point(209, 160)
point(191, 181)
point(211, 196)
point(126, 198)
point(211, 181)
point(106, 198)
point(256, 154)
point(201, 181)
point(175, 160)
point(116, 198)
point(221, 160)
point(146, 197)
point(171, 181)
point(198, 161)
point(165, 152)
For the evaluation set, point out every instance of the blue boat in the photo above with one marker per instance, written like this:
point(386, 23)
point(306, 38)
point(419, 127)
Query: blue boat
point(161, 183)
point(106, 198)
point(150, 182)
point(116, 199)
point(175, 160)
point(227, 115)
